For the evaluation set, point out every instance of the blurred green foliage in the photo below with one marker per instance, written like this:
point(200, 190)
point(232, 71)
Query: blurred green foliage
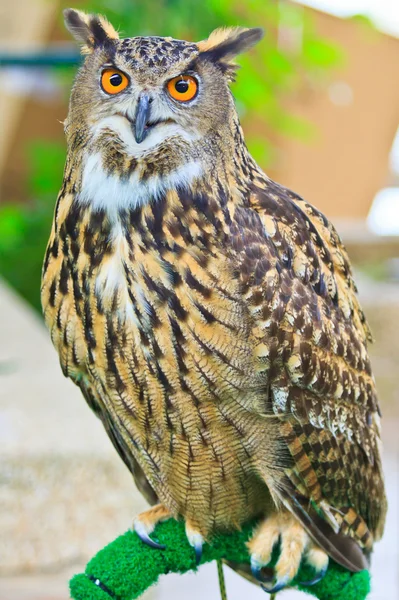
point(24, 229)
point(291, 53)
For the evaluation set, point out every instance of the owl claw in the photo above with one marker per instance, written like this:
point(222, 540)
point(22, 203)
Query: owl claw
point(277, 587)
point(145, 523)
point(318, 577)
point(198, 553)
point(196, 541)
point(143, 535)
point(257, 572)
point(295, 545)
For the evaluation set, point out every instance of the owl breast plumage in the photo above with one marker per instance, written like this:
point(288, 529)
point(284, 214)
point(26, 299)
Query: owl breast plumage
point(207, 313)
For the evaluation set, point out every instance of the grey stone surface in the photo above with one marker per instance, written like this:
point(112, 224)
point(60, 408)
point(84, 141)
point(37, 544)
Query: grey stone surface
point(41, 411)
point(64, 492)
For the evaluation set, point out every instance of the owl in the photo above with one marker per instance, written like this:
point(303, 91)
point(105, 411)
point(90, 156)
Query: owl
point(208, 314)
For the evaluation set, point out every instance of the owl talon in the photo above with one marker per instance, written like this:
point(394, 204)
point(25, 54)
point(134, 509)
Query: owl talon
point(318, 577)
point(257, 572)
point(280, 585)
point(295, 545)
point(196, 541)
point(145, 523)
point(198, 553)
point(147, 540)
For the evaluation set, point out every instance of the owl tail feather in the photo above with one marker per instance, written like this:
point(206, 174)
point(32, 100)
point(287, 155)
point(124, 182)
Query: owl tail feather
point(340, 547)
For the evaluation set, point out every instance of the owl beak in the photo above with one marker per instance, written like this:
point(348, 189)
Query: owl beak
point(142, 117)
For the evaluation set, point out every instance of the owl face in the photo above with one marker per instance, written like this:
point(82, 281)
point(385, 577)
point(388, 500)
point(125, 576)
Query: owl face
point(153, 92)
point(149, 91)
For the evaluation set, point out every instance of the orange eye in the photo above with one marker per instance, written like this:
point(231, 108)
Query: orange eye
point(113, 81)
point(182, 87)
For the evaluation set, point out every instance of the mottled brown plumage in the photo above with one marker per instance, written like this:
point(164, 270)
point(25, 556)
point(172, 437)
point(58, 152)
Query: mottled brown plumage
point(208, 314)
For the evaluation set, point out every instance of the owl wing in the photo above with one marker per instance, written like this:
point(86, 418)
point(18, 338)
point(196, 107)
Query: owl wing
point(311, 341)
point(117, 440)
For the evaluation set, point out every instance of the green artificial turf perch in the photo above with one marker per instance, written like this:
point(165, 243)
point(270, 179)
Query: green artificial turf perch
point(125, 568)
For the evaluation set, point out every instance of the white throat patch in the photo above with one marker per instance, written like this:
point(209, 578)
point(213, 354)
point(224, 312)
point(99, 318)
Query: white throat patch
point(111, 193)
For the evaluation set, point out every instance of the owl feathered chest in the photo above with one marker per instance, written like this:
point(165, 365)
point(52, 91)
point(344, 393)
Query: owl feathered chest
point(146, 305)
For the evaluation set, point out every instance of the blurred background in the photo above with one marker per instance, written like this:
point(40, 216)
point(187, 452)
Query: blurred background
point(319, 102)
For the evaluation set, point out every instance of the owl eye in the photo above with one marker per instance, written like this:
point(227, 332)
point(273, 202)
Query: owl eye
point(182, 87)
point(113, 81)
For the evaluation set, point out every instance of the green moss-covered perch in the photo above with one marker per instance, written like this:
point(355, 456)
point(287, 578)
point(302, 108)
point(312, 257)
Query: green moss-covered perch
point(125, 568)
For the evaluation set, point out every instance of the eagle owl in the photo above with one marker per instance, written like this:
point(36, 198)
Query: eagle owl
point(207, 313)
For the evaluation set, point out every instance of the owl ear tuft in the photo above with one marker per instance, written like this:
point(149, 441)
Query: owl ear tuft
point(225, 43)
point(89, 30)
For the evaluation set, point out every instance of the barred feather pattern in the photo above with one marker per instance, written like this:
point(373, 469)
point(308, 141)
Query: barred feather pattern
point(217, 333)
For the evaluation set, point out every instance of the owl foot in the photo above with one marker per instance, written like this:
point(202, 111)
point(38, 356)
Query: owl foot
point(295, 544)
point(145, 523)
point(318, 559)
point(196, 540)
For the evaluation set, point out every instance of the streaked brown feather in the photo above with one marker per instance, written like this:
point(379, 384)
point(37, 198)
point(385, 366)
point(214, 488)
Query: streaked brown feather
point(312, 343)
point(215, 329)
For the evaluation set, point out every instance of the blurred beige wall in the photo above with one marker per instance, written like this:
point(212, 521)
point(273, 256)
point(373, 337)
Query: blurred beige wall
point(355, 115)
point(24, 26)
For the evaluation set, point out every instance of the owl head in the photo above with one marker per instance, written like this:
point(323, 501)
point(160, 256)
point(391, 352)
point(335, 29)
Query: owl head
point(153, 93)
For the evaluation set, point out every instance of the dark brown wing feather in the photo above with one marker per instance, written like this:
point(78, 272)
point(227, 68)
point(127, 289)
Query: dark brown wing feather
point(311, 341)
point(118, 442)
